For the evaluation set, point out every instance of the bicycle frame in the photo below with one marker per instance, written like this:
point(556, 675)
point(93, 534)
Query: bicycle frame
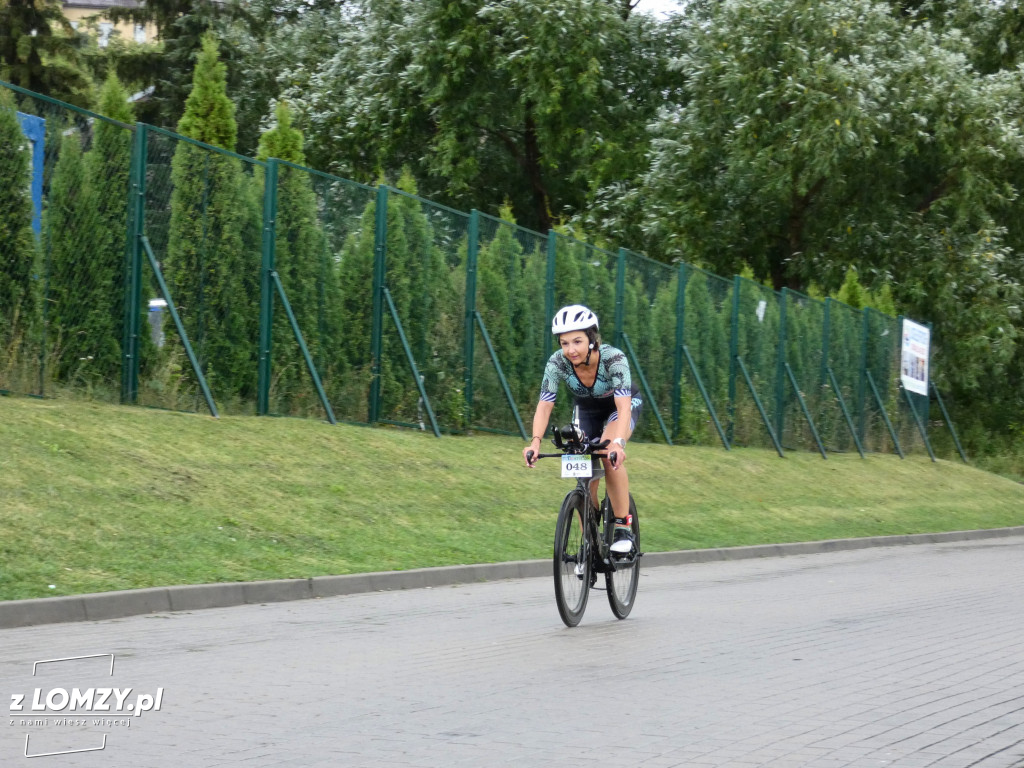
point(577, 445)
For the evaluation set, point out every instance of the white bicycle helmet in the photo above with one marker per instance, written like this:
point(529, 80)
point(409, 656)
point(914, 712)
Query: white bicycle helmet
point(574, 317)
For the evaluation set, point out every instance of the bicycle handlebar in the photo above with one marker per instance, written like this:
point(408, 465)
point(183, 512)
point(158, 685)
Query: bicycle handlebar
point(531, 456)
point(570, 439)
point(576, 444)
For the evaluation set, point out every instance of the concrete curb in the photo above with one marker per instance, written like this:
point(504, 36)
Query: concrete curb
point(192, 597)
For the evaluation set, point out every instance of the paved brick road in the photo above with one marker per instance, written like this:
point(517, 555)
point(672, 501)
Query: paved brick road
point(907, 657)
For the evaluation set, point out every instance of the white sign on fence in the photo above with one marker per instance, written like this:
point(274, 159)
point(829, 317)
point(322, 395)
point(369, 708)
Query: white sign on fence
point(914, 359)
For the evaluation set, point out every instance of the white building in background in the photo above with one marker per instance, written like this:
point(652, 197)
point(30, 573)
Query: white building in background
point(80, 11)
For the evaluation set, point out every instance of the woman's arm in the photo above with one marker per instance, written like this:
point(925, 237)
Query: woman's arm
point(624, 408)
point(620, 428)
point(541, 417)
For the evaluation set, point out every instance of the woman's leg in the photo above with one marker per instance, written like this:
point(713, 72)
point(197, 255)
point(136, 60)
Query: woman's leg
point(618, 488)
point(618, 482)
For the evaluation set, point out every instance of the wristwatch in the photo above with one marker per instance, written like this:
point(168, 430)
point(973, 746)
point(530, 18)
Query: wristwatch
point(619, 441)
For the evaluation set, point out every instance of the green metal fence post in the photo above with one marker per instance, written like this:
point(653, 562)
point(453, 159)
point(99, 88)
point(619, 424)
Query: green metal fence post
point(267, 287)
point(861, 404)
point(807, 413)
point(172, 309)
point(133, 267)
point(949, 422)
point(760, 407)
point(826, 331)
point(885, 415)
point(922, 400)
point(620, 296)
point(472, 253)
point(734, 351)
point(48, 270)
point(310, 365)
point(846, 413)
point(647, 390)
point(920, 424)
point(780, 370)
point(677, 368)
point(377, 325)
point(707, 398)
point(501, 374)
point(386, 297)
point(549, 291)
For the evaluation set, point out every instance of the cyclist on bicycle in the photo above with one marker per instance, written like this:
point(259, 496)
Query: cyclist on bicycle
point(598, 377)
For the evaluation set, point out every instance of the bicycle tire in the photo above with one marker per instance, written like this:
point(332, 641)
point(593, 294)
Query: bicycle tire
point(572, 560)
point(622, 583)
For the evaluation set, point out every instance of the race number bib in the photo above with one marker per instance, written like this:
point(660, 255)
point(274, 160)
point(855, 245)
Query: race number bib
point(576, 466)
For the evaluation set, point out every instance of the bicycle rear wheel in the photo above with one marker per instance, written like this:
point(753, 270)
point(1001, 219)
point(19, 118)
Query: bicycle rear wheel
point(623, 581)
point(572, 560)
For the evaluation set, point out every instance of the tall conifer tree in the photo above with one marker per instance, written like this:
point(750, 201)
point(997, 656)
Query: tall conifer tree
point(107, 165)
point(212, 254)
point(16, 242)
point(77, 312)
point(300, 252)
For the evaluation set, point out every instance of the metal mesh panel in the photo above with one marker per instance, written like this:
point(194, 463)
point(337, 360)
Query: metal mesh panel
point(844, 347)
point(584, 274)
point(804, 318)
point(69, 242)
point(61, 260)
point(324, 250)
point(706, 331)
point(425, 244)
point(649, 316)
point(757, 345)
point(906, 426)
point(510, 284)
point(204, 222)
point(881, 361)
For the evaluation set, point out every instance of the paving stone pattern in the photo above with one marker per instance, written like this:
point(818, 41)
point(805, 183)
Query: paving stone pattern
point(905, 656)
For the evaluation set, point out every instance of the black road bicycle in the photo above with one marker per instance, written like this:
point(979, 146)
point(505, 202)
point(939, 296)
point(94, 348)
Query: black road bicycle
point(584, 534)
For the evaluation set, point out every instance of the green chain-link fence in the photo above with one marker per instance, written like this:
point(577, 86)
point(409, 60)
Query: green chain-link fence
point(62, 250)
point(324, 254)
point(511, 339)
point(150, 268)
point(202, 223)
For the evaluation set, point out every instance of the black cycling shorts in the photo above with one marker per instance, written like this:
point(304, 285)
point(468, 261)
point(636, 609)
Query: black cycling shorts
point(595, 417)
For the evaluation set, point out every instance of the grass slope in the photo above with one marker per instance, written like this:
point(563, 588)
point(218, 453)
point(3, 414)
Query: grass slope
point(97, 497)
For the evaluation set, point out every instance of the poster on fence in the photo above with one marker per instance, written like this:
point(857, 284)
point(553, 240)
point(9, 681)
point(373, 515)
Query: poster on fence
point(914, 364)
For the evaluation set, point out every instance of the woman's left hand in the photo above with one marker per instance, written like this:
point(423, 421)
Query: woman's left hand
point(617, 455)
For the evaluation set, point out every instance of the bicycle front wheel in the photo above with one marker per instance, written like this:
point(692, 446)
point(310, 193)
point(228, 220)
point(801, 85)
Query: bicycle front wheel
point(623, 581)
point(572, 560)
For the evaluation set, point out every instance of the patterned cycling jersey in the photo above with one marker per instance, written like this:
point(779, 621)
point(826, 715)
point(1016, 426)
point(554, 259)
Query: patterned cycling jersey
point(613, 378)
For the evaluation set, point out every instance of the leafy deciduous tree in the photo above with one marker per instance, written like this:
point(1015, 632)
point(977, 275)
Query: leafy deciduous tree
point(816, 135)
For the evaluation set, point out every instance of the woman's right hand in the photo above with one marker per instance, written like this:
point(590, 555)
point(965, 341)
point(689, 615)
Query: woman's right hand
point(530, 453)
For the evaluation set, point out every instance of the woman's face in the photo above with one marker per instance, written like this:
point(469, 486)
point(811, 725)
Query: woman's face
point(575, 346)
